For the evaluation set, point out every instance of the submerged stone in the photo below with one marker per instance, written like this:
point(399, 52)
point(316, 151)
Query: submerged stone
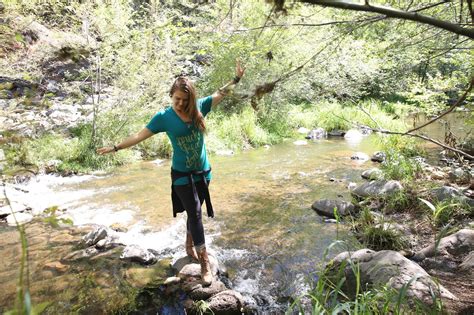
point(360, 156)
point(326, 207)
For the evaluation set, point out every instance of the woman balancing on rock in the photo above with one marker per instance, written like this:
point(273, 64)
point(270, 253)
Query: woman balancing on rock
point(184, 124)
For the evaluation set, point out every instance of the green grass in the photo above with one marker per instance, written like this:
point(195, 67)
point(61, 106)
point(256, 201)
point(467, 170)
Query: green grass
point(376, 233)
point(447, 211)
point(399, 167)
point(331, 293)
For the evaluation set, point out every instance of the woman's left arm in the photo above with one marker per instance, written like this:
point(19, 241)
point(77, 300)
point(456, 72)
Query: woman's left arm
point(223, 91)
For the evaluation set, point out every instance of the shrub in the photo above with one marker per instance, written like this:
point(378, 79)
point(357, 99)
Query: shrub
point(398, 167)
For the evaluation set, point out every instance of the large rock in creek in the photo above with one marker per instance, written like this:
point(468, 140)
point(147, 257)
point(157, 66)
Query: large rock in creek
point(138, 254)
point(228, 302)
point(372, 174)
point(337, 133)
point(457, 244)
point(95, 236)
point(353, 134)
point(219, 298)
point(325, 207)
point(379, 156)
point(447, 193)
point(377, 188)
point(388, 268)
point(316, 134)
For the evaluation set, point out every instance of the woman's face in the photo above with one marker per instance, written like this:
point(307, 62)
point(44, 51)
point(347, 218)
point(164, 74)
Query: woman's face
point(180, 100)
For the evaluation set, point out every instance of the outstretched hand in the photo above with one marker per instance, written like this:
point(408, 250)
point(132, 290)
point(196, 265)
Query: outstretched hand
point(105, 150)
point(239, 70)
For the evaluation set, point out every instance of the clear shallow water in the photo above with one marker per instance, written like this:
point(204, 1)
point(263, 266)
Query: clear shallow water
point(265, 231)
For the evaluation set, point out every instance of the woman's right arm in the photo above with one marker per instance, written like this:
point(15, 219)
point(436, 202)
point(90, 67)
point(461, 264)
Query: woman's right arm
point(145, 133)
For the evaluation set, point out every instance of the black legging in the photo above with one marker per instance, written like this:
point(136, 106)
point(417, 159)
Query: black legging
point(193, 209)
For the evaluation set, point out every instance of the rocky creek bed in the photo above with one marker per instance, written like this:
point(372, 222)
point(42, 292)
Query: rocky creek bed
point(433, 260)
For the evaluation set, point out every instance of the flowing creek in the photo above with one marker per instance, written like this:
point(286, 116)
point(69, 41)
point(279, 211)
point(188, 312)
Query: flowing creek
point(264, 232)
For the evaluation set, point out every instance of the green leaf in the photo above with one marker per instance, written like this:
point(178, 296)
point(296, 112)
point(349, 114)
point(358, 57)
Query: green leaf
point(27, 302)
point(429, 204)
point(66, 221)
point(39, 308)
point(19, 38)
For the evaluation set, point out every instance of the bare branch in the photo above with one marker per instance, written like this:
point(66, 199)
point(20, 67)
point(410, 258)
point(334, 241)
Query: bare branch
point(459, 101)
point(447, 147)
point(395, 13)
point(301, 24)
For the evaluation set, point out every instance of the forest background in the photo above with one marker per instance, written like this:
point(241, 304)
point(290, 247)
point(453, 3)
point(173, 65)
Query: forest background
point(307, 66)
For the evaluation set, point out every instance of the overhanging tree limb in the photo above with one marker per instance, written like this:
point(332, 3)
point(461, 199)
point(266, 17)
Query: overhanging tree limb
point(458, 102)
point(439, 143)
point(394, 13)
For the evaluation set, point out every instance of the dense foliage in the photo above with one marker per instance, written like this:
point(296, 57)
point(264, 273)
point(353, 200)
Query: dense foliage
point(324, 61)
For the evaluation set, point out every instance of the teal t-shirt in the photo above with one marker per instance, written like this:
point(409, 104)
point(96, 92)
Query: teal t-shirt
point(189, 149)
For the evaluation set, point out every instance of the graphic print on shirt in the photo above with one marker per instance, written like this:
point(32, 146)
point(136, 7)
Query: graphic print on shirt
point(191, 145)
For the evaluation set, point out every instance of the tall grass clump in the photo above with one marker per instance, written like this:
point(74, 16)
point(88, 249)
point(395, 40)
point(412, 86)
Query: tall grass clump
point(447, 212)
point(332, 115)
point(376, 233)
point(401, 162)
point(237, 131)
point(75, 154)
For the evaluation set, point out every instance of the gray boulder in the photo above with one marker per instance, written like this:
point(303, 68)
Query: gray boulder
point(337, 133)
point(379, 156)
point(353, 134)
point(325, 207)
point(94, 236)
point(81, 254)
point(197, 292)
point(372, 174)
point(228, 302)
point(315, 134)
point(447, 193)
point(460, 175)
point(459, 243)
point(186, 267)
point(138, 254)
point(377, 188)
point(468, 263)
point(388, 268)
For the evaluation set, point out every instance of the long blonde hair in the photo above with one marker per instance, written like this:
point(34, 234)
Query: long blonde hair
point(185, 85)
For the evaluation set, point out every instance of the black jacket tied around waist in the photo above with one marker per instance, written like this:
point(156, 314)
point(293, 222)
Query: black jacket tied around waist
point(177, 204)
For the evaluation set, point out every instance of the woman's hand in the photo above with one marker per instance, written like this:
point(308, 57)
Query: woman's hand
point(105, 150)
point(239, 70)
